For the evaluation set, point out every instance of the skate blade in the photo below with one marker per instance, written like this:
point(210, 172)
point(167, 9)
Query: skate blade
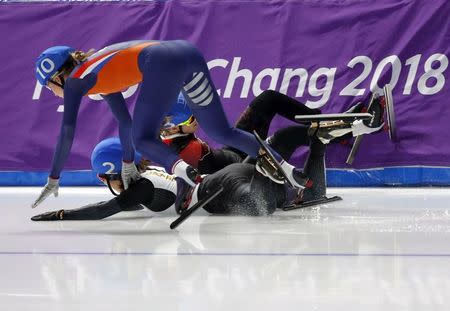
point(185, 214)
point(387, 90)
point(312, 203)
point(344, 117)
point(390, 112)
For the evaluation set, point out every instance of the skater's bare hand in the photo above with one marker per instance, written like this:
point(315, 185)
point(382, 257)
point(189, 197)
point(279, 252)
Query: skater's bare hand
point(52, 186)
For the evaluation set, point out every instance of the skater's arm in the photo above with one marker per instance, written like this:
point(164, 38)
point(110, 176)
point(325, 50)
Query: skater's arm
point(263, 108)
point(282, 104)
point(118, 107)
point(140, 192)
point(93, 211)
point(72, 99)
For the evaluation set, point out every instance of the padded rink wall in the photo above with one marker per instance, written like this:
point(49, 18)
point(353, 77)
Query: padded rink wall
point(327, 54)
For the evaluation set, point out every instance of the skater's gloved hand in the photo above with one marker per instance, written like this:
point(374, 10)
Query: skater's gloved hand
point(129, 174)
point(49, 216)
point(186, 172)
point(52, 186)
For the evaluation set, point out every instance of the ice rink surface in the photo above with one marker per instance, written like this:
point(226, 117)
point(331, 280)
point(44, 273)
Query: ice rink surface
point(378, 249)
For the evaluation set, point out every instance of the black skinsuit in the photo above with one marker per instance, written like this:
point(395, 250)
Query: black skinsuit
point(246, 192)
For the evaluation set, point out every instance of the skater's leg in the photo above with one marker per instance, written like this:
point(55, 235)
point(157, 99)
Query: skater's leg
point(286, 140)
point(359, 127)
point(214, 122)
point(163, 77)
point(201, 95)
point(287, 106)
point(216, 125)
point(315, 169)
point(261, 111)
point(217, 159)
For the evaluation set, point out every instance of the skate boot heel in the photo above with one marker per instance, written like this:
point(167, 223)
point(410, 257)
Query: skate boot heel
point(301, 179)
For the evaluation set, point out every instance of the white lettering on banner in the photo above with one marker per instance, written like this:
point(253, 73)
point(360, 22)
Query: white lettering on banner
point(273, 73)
point(246, 75)
point(430, 73)
point(218, 63)
point(37, 91)
point(235, 73)
point(320, 83)
point(395, 75)
point(436, 74)
point(324, 92)
point(350, 89)
point(290, 73)
point(413, 64)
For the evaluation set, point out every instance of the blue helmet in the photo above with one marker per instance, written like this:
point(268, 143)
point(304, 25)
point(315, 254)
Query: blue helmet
point(50, 61)
point(179, 114)
point(107, 157)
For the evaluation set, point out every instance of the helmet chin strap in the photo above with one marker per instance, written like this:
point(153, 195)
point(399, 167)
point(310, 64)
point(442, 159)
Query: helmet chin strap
point(57, 84)
point(108, 182)
point(60, 76)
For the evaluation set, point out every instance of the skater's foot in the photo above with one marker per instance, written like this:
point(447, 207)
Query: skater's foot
point(268, 168)
point(184, 195)
point(306, 195)
point(374, 124)
point(330, 130)
point(377, 111)
point(301, 179)
point(296, 177)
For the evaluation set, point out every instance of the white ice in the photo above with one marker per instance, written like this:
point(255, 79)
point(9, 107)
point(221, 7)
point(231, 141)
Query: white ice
point(378, 249)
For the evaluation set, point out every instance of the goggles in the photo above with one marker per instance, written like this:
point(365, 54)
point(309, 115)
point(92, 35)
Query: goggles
point(188, 121)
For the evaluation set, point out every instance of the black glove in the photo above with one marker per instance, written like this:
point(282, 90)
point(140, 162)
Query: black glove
point(49, 216)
